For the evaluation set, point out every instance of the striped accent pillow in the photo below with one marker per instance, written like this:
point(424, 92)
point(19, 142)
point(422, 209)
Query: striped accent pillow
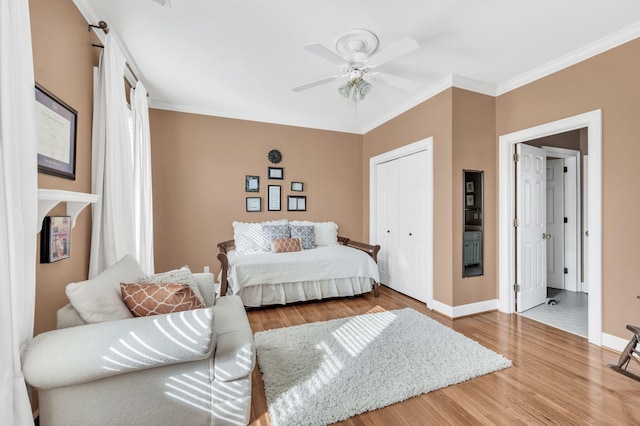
point(286, 245)
point(154, 299)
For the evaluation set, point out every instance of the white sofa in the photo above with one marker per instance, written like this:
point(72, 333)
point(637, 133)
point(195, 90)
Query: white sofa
point(188, 368)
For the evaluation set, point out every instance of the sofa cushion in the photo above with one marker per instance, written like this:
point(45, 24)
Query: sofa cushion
point(182, 275)
point(272, 232)
point(306, 234)
point(248, 237)
point(99, 299)
point(325, 233)
point(286, 245)
point(154, 299)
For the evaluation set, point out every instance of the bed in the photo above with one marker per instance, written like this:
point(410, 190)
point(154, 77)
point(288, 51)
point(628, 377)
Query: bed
point(332, 266)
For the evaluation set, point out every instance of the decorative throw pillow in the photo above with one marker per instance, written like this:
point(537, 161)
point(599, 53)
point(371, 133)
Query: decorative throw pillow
point(306, 235)
point(99, 299)
point(154, 299)
point(286, 245)
point(326, 233)
point(182, 276)
point(271, 232)
point(248, 236)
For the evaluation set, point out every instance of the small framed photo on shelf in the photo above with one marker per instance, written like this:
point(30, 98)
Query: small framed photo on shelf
point(276, 173)
point(297, 186)
point(470, 186)
point(296, 203)
point(252, 184)
point(274, 198)
point(470, 200)
point(254, 204)
point(55, 239)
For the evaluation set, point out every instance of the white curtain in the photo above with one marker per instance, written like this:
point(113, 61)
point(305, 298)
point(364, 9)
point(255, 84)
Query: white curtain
point(18, 207)
point(143, 200)
point(112, 235)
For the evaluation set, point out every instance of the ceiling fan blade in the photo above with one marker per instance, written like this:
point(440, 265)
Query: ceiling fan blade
point(324, 53)
point(316, 83)
point(399, 48)
point(394, 81)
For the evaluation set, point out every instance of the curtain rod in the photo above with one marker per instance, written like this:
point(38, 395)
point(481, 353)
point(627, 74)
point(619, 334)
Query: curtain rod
point(126, 63)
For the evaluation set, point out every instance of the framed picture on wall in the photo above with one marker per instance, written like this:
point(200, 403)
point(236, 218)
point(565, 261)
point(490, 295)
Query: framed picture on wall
point(297, 186)
point(276, 173)
point(470, 186)
point(56, 127)
point(252, 184)
point(470, 200)
point(254, 204)
point(274, 198)
point(296, 203)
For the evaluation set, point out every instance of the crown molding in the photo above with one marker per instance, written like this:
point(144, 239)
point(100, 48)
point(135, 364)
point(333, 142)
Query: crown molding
point(335, 127)
point(607, 43)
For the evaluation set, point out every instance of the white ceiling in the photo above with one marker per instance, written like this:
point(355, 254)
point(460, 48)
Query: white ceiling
point(241, 58)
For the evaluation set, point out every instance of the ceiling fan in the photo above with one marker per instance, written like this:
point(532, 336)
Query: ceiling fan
point(355, 55)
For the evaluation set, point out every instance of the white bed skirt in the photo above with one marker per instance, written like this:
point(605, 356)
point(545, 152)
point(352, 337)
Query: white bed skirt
point(281, 294)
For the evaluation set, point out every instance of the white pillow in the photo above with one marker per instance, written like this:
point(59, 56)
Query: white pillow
point(99, 299)
point(248, 237)
point(325, 233)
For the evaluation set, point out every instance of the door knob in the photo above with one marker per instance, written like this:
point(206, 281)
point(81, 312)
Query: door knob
point(546, 236)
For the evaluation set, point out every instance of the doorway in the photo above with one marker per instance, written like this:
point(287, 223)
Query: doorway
point(592, 121)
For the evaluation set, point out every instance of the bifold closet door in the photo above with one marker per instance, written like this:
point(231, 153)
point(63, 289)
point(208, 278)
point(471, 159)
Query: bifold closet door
point(401, 228)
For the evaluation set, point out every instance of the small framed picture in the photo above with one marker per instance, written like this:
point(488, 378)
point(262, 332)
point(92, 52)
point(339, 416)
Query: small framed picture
point(252, 184)
point(254, 204)
point(276, 173)
point(274, 198)
point(470, 187)
point(55, 241)
point(296, 203)
point(297, 186)
point(470, 200)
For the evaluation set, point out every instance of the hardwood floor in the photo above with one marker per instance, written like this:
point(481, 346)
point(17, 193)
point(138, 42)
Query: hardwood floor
point(556, 377)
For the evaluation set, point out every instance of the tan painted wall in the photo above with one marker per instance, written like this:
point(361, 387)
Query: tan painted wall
point(199, 169)
point(474, 148)
point(609, 82)
point(431, 118)
point(63, 62)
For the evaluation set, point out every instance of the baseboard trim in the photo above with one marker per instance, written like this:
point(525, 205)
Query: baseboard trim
point(614, 342)
point(465, 310)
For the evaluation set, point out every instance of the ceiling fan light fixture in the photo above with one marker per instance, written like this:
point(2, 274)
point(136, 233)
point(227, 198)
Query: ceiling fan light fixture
point(345, 89)
point(363, 87)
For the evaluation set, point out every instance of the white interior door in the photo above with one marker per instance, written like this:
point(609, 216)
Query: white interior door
point(531, 258)
point(555, 223)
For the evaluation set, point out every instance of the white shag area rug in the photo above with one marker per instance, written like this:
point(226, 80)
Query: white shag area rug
point(325, 372)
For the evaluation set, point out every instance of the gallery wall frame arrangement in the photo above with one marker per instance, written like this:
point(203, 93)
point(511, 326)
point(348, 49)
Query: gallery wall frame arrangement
point(252, 184)
point(297, 186)
point(274, 197)
point(55, 239)
point(296, 203)
point(254, 204)
point(56, 130)
point(276, 173)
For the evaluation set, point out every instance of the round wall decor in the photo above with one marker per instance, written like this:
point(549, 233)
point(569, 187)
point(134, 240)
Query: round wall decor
point(274, 156)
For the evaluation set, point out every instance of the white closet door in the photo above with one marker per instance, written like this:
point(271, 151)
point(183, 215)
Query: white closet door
point(402, 186)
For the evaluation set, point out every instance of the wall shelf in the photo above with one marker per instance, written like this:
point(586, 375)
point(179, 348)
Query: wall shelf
point(76, 202)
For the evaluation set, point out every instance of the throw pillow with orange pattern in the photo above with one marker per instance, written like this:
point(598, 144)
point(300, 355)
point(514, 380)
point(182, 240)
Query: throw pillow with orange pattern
point(286, 245)
point(155, 299)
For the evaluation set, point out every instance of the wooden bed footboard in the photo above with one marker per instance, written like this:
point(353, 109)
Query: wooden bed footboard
point(225, 246)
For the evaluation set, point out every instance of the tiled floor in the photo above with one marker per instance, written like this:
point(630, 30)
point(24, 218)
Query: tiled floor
point(569, 313)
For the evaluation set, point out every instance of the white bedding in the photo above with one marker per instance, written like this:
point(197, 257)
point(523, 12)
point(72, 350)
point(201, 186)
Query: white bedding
point(320, 263)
